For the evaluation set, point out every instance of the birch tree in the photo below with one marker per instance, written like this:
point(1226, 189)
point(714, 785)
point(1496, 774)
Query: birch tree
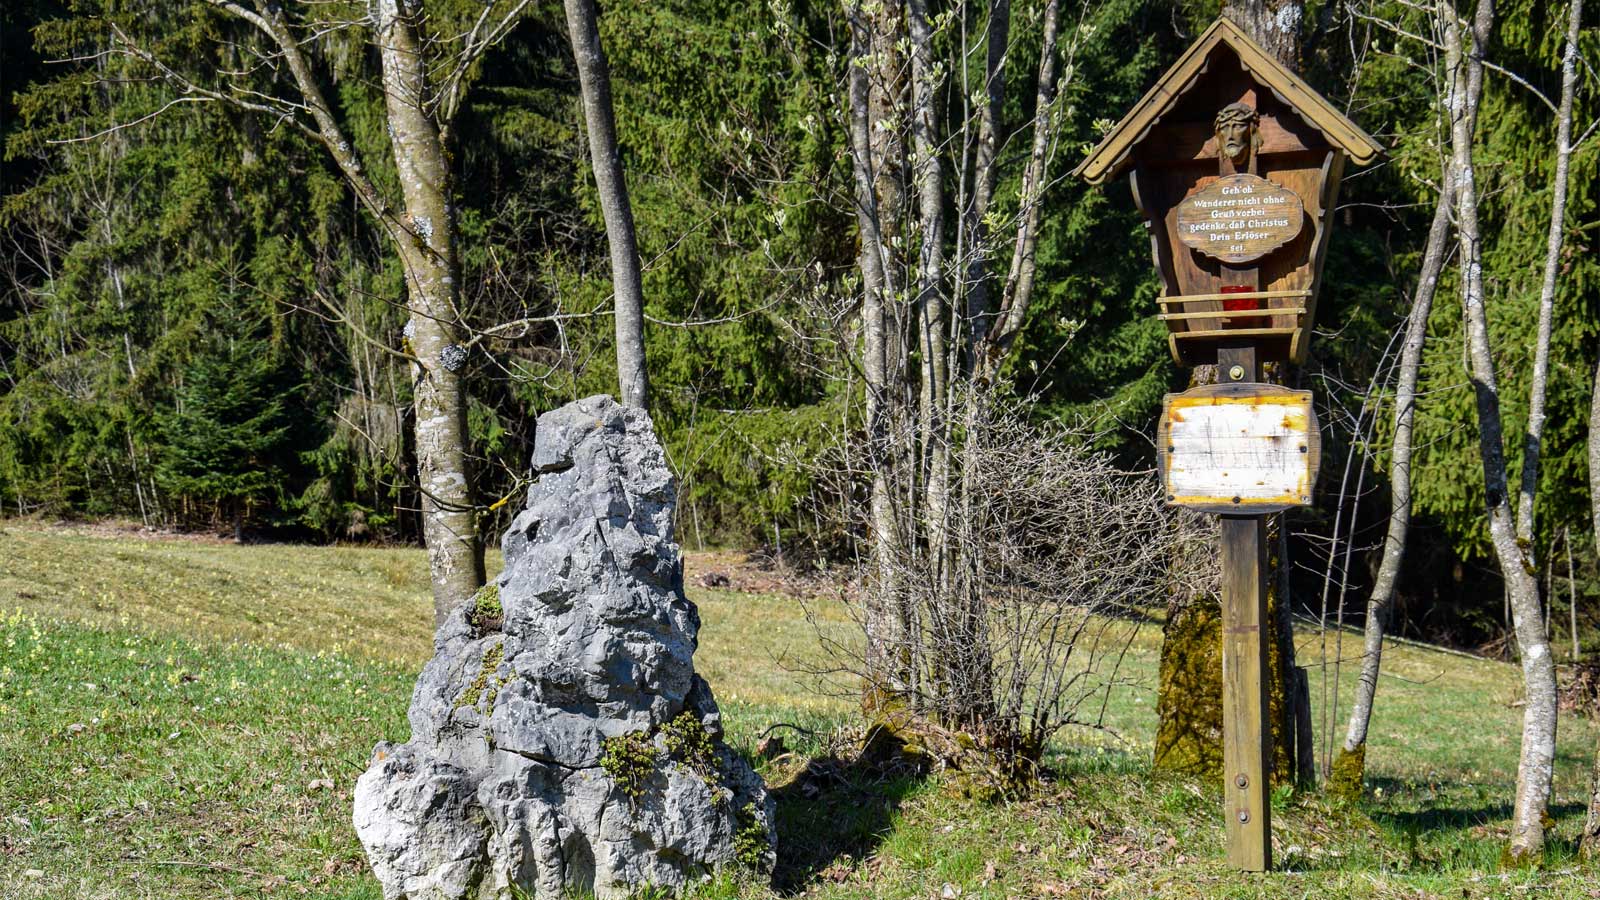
point(875, 81)
point(936, 325)
point(427, 62)
point(1590, 842)
point(1465, 62)
point(1346, 777)
point(1534, 432)
point(594, 77)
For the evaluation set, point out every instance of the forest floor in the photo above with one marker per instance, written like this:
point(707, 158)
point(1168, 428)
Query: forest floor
point(186, 719)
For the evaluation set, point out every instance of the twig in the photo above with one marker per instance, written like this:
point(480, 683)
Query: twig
point(218, 867)
point(777, 725)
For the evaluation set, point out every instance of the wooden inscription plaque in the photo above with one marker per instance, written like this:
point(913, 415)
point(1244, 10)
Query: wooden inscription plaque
point(1239, 218)
point(1239, 449)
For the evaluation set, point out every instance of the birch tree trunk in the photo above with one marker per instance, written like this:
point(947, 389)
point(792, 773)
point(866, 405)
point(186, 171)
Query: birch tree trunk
point(984, 172)
point(1534, 433)
point(1274, 24)
point(1590, 843)
point(1018, 290)
point(873, 150)
point(928, 174)
point(1348, 771)
point(594, 77)
point(1535, 766)
point(427, 247)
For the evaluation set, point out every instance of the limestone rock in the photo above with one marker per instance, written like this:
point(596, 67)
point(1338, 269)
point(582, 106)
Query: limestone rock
point(560, 738)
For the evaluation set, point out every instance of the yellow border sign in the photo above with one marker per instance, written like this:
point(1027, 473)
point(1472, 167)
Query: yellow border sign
point(1240, 449)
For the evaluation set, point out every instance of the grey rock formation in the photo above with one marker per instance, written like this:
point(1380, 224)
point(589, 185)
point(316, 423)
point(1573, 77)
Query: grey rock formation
point(560, 738)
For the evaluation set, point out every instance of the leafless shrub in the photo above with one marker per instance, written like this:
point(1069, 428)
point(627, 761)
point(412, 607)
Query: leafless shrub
point(1016, 624)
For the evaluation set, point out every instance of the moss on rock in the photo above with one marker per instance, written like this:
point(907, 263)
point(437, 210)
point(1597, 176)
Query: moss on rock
point(486, 684)
point(487, 614)
point(630, 760)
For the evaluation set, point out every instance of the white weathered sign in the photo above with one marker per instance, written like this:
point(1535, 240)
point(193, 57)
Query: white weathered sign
point(1239, 448)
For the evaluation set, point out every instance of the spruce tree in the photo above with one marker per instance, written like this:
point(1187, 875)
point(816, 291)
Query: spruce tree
point(228, 431)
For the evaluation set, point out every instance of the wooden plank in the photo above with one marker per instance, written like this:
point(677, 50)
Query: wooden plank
point(1253, 295)
point(1238, 332)
point(1231, 314)
point(1239, 447)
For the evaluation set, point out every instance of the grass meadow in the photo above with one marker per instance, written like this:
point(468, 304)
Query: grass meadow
point(186, 719)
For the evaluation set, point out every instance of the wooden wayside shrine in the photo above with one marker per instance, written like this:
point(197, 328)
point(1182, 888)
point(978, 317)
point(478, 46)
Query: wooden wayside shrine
point(1235, 163)
point(1291, 144)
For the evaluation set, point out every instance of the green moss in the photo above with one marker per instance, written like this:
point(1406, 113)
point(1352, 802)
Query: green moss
point(688, 743)
point(1349, 771)
point(629, 759)
point(487, 613)
point(1189, 736)
point(486, 685)
point(1513, 859)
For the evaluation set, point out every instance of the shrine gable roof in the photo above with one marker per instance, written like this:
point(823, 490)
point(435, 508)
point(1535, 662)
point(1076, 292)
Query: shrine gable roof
point(1115, 151)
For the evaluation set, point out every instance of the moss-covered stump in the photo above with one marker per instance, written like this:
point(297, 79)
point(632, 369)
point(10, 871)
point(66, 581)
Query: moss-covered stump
point(982, 769)
point(1189, 736)
point(1346, 779)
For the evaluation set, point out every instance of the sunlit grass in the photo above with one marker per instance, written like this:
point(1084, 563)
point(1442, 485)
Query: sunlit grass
point(186, 720)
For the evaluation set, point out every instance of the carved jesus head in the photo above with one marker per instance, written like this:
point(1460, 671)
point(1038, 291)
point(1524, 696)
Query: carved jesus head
point(1236, 125)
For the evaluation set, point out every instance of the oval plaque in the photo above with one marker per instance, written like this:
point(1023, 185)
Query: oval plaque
point(1238, 218)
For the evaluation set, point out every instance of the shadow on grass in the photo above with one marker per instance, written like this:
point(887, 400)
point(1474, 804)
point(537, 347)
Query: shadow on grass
point(1451, 817)
point(835, 814)
point(1446, 834)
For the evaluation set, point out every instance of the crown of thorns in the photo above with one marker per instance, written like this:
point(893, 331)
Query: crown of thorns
point(1237, 113)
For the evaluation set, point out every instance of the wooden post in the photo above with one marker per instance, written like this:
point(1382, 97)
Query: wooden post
point(1246, 741)
point(1239, 216)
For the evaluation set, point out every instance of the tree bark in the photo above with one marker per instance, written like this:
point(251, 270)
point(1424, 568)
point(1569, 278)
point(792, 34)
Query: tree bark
point(1189, 707)
point(1536, 764)
point(1274, 24)
point(1591, 828)
point(1346, 777)
point(928, 174)
point(1533, 435)
point(984, 173)
point(1589, 843)
point(1018, 290)
point(594, 78)
point(871, 152)
point(427, 248)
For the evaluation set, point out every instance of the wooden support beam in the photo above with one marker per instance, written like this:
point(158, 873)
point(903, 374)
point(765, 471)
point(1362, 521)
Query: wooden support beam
point(1247, 739)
